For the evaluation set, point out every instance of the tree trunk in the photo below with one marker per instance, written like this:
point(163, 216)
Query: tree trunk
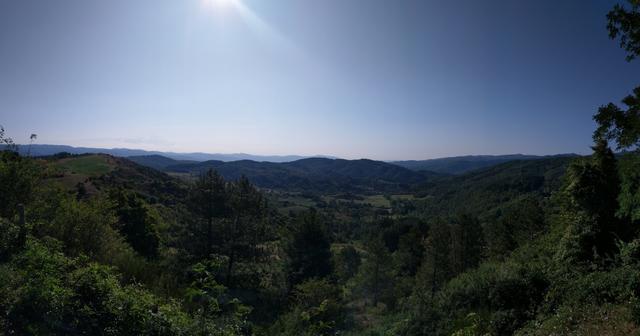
point(22, 234)
point(232, 251)
point(375, 283)
point(230, 268)
point(434, 273)
point(209, 236)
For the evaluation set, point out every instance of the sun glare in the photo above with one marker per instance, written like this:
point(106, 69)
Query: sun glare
point(220, 4)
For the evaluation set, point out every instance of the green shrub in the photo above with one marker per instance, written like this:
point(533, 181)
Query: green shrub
point(318, 310)
point(505, 295)
point(597, 287)
point(42, 292)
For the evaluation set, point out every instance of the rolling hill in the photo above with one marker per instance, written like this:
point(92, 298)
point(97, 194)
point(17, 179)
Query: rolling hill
point(477, 192)
point(48, 150)
point(162, 160)
point(481, 191)
point(98, 172)
point(319, 175)
point(463, 164)
point(314, 174)
point(158, 162)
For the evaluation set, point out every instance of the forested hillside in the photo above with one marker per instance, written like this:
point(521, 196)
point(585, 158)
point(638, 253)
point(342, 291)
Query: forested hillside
point(313, 174)
point(465, 164)
point(157, 162)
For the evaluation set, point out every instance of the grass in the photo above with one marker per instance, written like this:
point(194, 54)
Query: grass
point(290, 202)
point(295, 202)
point(378, 201)
point(90, 165)
point(407, 197)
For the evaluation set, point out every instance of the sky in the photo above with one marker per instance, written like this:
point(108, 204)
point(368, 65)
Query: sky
point(379, 79)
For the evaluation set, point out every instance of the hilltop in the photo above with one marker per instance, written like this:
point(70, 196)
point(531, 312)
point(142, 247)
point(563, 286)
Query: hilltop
point(464, 164)
point(313, 174)
point(47, 150)
point(162, 160)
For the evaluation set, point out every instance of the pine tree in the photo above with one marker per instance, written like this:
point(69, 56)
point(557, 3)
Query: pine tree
point(375, 278)
point(309, 250)
point(467, 243)
point(244, 231)
point(209, 200)
point(346, 263)
point(590, 203)
point(136, 223)
point(436, 268)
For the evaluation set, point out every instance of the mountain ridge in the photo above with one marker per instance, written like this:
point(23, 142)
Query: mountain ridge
point(48, 149)
point(312, 174)
point(457, 165)
point(160, 160)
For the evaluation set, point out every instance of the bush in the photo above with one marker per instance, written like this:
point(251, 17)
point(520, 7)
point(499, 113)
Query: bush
point(505, 295)
point(42, 292)
point(596, 288)
point(18, 181)
point(9, 233)
point(317, 311)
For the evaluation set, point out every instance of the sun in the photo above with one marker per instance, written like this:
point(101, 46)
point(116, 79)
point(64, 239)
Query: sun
point(220, 4)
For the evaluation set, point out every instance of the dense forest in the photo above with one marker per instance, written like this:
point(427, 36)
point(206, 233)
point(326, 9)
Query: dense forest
point(99, 245)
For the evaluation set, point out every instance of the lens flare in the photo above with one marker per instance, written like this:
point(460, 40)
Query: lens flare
point(259, 26)
point(219, 4)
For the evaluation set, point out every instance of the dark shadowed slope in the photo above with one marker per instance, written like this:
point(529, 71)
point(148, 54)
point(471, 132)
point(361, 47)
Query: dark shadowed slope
point(315, 174)
point(158, 162)
point(482, 191)
point(464, 164)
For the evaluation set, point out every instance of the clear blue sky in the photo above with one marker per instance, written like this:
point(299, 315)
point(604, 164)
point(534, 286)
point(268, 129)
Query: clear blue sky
point(361, 78)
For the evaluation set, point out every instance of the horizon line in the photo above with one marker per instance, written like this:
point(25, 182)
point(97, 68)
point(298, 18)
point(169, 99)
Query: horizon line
point(300, 156)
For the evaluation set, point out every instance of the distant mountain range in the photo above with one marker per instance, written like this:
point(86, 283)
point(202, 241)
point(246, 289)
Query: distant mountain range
point(463, 164)
point(162, 160)
point(46, 150)
point(311, 174)
point(324, 175)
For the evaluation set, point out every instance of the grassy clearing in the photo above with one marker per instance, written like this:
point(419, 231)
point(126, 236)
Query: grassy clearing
point(377, 201)
point(407, 197)
point(90, 165)
point(296, 202)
